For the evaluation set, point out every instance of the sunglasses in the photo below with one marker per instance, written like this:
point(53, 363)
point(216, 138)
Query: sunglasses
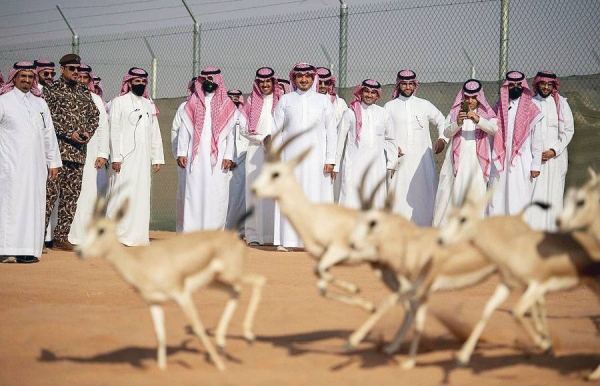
point(48, 73)
point(72, 68)
point(325, 82)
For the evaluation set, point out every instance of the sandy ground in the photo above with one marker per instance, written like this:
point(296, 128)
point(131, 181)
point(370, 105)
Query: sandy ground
point(71, 322)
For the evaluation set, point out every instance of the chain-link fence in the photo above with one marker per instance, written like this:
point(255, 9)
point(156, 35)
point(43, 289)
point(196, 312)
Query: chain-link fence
point(444, 41)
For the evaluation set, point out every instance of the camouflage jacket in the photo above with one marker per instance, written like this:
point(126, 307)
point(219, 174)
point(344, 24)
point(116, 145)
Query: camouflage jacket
point(72, 110)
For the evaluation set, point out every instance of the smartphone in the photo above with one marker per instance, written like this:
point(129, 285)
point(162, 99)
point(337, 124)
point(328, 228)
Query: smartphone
point(464, 107)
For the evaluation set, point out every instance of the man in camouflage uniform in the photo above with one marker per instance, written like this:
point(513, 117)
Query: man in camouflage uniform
point(75, 118)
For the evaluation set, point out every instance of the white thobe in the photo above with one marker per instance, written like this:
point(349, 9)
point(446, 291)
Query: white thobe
point(28, 147)
point(549, 187)
point(339, 107)
point(513, 186)
point(415, 182)
point(376, 150)
point(94, 180)
point(469, 175)
point(206, 187)
point(310, 112)
point(179, 198)
point(259, 227)
point(135, 141)
point(237, 185)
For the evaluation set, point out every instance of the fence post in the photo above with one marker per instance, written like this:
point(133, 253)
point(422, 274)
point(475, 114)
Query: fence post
point(75, 43)
point(504, 13)
point(196, 48)
point(154, 69)
point(343, 48)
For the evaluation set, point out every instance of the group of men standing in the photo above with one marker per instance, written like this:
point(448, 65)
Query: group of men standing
point(65, 129)
point(68, 134)
point(518, 147)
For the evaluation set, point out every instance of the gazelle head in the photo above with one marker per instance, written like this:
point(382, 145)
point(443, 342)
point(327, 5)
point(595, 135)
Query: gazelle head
point(101, 234)
point(464, 219)
point(581, 205)
point(277, 177)
point(370, 222)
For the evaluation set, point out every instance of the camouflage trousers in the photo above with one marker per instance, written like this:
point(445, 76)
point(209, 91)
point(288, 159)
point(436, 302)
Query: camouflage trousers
point(66, 189)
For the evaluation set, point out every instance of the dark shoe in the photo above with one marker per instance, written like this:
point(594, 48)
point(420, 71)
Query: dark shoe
point(9, 259)
point(63, 246)
point(27, 259)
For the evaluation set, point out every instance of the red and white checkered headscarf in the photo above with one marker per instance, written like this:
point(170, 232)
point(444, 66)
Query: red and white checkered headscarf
point(1, 80)
point(369, 84)
point(255, 101)
point(43, 65)
point(324, 76)
point(527, 111)
point(10, 83)
point(98, 83)
point(473, 87)
point(550, 77)
point(238, 93)
point(306, 68)
point(86, 68)
point(285, 84)
point(221, 111)
point(405, 76)
point(137, 72)
point(191, 87)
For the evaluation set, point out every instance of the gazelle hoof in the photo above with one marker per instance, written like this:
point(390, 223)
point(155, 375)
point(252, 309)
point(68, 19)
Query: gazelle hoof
point(390, 349)
point(460, 362)
point(250, 339)
point(409, 364)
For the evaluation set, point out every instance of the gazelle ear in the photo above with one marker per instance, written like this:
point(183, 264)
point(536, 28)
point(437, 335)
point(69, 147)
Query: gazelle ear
point(122, 210)
point(593, 177)
point(389, 200)
point(100, 206)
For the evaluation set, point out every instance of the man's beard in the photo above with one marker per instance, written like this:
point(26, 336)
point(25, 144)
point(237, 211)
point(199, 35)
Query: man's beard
point(406, 94)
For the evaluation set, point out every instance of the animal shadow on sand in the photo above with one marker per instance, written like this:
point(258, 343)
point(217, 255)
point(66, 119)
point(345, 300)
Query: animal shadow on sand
point(135, 356)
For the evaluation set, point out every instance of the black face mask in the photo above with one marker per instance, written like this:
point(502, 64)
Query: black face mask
point(209, 86)
point(138, 89)
point(515, 93)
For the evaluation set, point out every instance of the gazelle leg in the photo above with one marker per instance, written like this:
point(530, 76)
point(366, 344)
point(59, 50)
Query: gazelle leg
point(534, 292)
point(499, 296)
point(419, 324)
point(226, 317)
point(158, 318)
point(358, 335)
point(393, 347)
point(257, 282)
point(187, 306)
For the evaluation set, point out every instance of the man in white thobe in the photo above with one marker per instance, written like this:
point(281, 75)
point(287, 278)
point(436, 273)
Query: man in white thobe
point(415, 182)
point(135, 148)
point(206, 149)
point(94, 173)
point(326, 86)
point(517, 147)
point(259, 111)
point(237, 185)
point(175, 127)
point(45, 71)
point(28, 154)
point(467, 164)
point(557, 128)
point(370, 144)
point(305, 110)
